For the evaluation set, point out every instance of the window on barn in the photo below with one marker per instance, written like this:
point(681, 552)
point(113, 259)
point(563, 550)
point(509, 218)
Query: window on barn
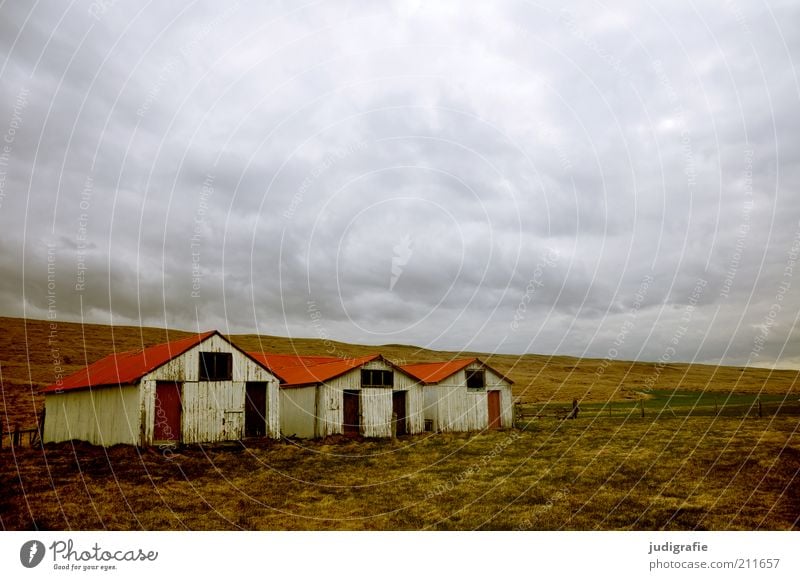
point(375, 378)
point(476, 380)
point(216, 366)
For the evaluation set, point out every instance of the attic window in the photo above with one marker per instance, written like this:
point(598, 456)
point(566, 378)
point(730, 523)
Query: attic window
point(216, 366)
point(476, 380)
point(373, 378)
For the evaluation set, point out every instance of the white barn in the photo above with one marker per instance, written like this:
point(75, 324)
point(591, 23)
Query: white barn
point(198, 389)
point(321, 396)
point(464, 395)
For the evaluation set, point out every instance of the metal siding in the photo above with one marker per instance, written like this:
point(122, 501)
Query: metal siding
point(452, 407)
point(431, 404)
point(106, 416)
point(330, 405)
point(415, 409)
point(299, 412)
point(376, 412)
point(329, 410)
point(212, 410)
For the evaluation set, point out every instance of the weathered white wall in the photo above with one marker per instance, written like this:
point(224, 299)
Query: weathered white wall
point(453, 407)
point(212, 410)
point(375, 403)
point(431, 404)
point(299, 411)
point(104, 416)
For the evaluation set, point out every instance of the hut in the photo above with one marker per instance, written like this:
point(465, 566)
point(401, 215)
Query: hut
point(321, 396)
point(464, 395)
point(194, 390)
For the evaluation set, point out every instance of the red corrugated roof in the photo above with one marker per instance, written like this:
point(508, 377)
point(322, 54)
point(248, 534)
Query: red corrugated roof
point(124, 368)
point(279, 361)
point(309, 370)
point(430, 373)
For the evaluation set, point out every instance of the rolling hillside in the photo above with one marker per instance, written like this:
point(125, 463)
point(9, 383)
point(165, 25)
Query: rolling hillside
point(34, 352)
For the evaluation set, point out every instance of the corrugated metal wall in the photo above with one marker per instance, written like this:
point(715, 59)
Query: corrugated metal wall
point(375, 403)
point(105, 416)
point(452, 407)
point(212, 410)
point(376, 412)
point(299, 412)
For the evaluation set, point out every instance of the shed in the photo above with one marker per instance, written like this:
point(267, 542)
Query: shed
point(321, 396)
point(197, 389)
point(464, 395)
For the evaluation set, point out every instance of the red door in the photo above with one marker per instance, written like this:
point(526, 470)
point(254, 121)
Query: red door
point(168, 412)
point(351, 412)
point(399, 410)
point(494, 409)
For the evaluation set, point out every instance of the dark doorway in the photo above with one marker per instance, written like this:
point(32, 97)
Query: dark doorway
point(494, 409)
point(168, 412)
point(351, 419)
point(399, 410)
point(255, 410)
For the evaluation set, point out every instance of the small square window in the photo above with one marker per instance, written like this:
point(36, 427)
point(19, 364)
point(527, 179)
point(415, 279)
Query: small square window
point(216, 366)
point(476, 380)
point(377, 378)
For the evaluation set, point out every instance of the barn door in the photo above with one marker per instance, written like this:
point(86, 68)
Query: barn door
point(493, 398)
point(351, 413)
point(399, 410)
point(168, 412)
point(255, 410)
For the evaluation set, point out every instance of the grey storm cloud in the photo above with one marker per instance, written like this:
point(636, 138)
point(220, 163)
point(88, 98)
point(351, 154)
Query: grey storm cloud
point(504, 177)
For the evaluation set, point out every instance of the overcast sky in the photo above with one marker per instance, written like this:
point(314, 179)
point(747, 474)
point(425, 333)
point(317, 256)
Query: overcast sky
point(615, 180)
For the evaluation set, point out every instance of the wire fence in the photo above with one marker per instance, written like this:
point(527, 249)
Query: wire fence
point(525, 413)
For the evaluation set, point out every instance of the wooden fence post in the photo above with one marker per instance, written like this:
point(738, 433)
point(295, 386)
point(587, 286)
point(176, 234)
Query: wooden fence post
point(17, 436)
point(641, 406)
point(760, 414)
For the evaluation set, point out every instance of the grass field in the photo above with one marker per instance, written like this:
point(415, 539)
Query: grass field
point(700, 458)
point(692, 473)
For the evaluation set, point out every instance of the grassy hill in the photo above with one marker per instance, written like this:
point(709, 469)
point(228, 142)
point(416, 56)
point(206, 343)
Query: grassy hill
point(34, 351)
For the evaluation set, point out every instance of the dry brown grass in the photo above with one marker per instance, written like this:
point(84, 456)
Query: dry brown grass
point(27, 365)
point(697, 473)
